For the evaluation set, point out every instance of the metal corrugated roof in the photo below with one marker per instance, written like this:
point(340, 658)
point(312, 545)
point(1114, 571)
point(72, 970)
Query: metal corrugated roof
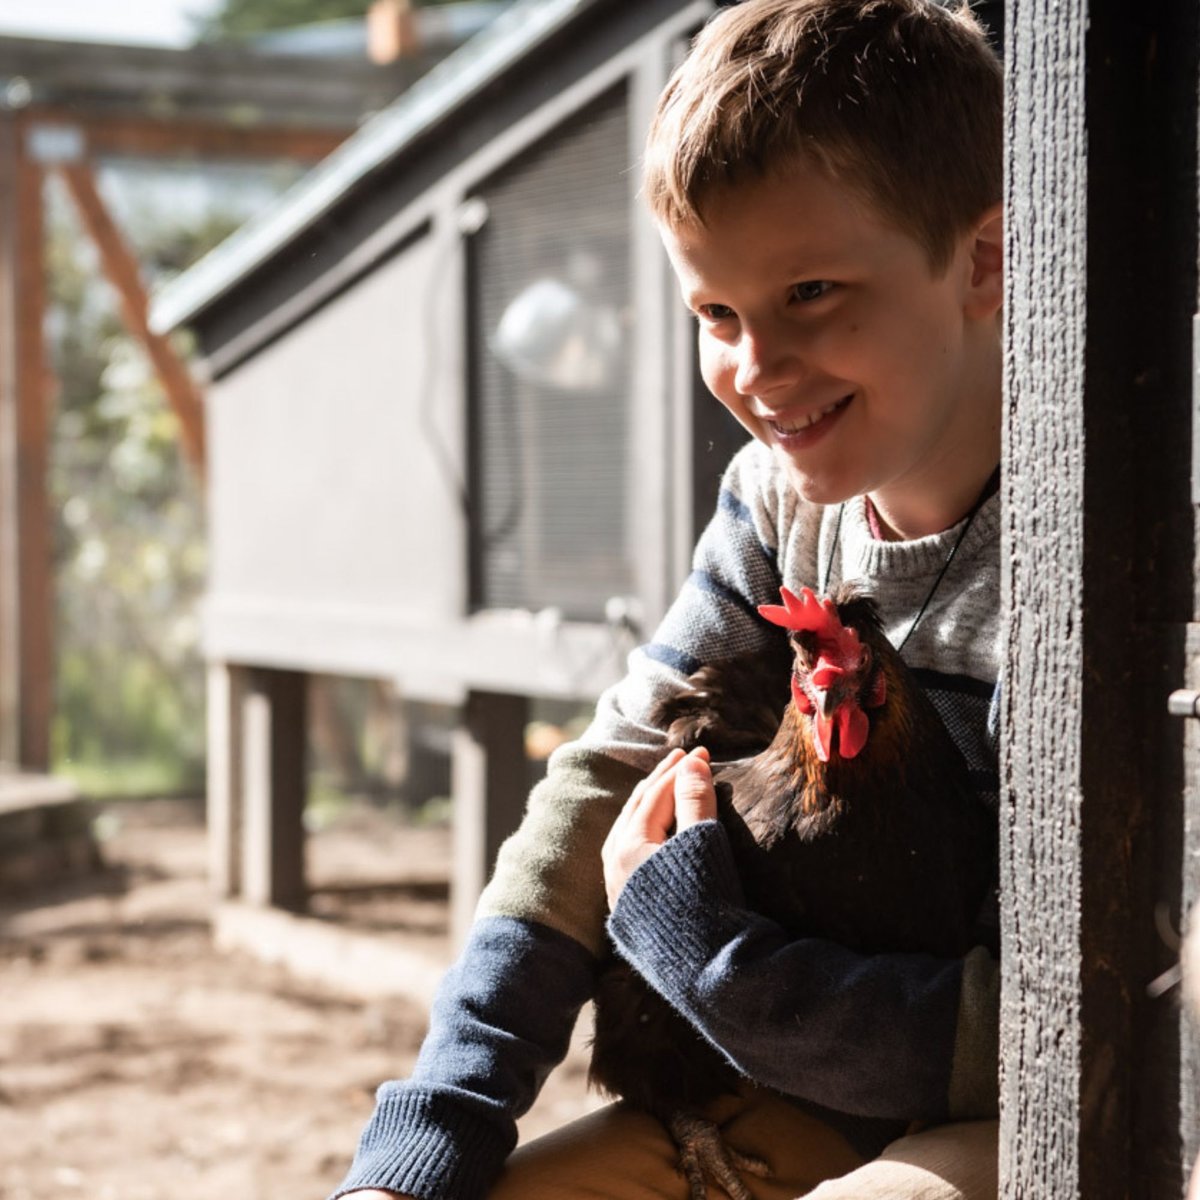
point(430, 100)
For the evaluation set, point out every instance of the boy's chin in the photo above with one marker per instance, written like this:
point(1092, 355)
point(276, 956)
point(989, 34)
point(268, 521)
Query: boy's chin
point(813, 489)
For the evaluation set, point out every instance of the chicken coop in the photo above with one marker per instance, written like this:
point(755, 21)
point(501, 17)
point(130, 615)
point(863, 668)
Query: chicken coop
point(456, 436)
point(457, 440)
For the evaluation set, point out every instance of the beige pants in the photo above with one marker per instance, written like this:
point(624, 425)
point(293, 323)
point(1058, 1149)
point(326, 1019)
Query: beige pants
point(619, 1154)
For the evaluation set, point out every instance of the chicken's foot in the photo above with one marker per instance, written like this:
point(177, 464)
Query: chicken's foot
point(703, 1153)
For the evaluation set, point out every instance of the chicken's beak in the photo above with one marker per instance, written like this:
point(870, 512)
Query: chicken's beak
point(830, 685)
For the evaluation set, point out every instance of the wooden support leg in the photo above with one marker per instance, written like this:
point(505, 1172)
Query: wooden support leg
point(26, 589)
point(273, 787)
point(489, 775)
point(226, 693)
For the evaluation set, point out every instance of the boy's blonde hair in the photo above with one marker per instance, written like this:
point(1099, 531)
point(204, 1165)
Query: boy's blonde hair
point(899, 99)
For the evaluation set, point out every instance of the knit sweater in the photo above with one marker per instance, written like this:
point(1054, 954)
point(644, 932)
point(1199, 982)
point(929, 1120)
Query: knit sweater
point(884, 1037)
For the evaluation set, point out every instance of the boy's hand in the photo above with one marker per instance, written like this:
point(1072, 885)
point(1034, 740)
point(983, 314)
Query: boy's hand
point(678, 792)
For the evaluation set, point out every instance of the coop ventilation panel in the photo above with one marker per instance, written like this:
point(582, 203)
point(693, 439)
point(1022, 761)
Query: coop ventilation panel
point(550, 429)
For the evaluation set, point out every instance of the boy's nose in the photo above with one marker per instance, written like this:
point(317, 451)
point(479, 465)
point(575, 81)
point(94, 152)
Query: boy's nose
point(766, 361)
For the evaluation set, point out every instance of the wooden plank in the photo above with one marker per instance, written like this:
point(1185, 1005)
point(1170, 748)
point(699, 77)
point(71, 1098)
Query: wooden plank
point(1097, 560)
point(146, 137)
point(26, 593)
point(223, 806)
point(10, 608)
point(33, 452)
point(228, 84)
point(121, 269)
point(490, 775)
point(273, 788)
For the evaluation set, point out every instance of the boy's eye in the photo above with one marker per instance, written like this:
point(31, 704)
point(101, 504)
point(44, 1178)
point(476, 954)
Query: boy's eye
point(715, 312)
point(811, 289)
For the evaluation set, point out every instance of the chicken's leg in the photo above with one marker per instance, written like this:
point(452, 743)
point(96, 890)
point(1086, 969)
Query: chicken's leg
point(703, 1154)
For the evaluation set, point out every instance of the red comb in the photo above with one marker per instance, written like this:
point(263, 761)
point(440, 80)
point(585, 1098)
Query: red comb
point(803, 612)
point(806, 612)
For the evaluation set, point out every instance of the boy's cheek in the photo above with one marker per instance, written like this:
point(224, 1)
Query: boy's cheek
point(735, 405)
point(718, 375)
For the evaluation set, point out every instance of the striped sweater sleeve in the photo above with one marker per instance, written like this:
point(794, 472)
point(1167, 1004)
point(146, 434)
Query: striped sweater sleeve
point(877, 1036)
point(505, 1011)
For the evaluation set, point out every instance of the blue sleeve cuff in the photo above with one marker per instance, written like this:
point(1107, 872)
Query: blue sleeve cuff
point(869, 1035)
point(680, 902)
point(427, 1145)
point(502, 1018)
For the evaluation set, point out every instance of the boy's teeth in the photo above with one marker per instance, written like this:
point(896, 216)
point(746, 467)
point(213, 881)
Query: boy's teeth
point(804, 422)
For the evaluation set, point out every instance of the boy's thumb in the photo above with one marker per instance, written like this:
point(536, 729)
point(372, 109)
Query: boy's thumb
point(695, 796)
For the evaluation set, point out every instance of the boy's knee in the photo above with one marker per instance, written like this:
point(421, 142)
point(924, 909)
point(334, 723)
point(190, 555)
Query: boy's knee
point(950, 1162)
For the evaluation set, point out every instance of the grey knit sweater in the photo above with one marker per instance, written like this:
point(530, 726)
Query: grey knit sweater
point(877, 1038)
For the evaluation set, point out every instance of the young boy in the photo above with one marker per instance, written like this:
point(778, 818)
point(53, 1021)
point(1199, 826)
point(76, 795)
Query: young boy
point(826, 175)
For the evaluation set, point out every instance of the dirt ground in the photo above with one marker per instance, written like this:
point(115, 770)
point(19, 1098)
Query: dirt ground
point(139, 1063)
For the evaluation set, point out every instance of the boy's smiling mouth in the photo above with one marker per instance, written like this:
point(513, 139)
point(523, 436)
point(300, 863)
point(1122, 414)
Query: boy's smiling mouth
point(805, 428)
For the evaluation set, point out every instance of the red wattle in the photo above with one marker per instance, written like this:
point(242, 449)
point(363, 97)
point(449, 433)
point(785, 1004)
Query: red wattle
point(853, 728)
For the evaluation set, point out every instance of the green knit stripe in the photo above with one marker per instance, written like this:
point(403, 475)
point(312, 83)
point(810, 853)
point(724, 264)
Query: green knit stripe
point(975, 1072)
point(549, 870)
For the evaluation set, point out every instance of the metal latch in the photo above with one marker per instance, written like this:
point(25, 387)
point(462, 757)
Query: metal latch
point(1184, 703)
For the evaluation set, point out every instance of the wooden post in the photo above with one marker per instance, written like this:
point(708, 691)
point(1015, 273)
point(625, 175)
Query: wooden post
point(490, 781)
point(10, 607)
point(26, 591)
point(273, 787)
point(1097, 587)
point(226, 697)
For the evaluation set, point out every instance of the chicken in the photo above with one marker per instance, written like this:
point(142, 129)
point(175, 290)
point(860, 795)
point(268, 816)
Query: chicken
point(857, 823)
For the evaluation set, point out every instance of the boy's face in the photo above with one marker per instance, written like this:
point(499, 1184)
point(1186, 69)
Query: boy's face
point(825, 333)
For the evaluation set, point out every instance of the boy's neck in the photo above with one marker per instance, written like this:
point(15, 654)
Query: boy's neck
point(887, 524)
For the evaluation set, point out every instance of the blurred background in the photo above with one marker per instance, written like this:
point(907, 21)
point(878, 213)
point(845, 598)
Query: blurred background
point(127, 534)
point(350, 438)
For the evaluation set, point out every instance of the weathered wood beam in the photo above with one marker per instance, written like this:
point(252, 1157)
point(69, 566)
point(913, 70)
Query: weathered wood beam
point(10, 608)
point(121, 269)
point(145, 137)
point(1098, 554)
point(26, 591)
point(490, 782)
point(271, 747)
point(226, 696)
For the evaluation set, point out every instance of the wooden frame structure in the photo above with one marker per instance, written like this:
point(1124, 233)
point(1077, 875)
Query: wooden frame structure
point(66, 107)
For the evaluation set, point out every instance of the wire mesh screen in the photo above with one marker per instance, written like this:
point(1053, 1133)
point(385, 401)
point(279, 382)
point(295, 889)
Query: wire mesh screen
point(550, 287)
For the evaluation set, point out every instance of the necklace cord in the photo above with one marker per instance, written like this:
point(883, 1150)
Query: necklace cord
point(988, 490)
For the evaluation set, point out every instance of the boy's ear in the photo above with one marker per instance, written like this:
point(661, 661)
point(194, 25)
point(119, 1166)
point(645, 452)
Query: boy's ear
point(985, 291)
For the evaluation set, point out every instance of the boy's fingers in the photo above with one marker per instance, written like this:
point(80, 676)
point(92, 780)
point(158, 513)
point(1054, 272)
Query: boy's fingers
point(655, 812)
point(636, 816)
point(663, 766)
point(679, 792)
point(695, 797)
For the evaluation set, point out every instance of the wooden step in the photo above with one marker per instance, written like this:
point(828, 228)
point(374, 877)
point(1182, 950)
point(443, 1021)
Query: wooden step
point(45, 831)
